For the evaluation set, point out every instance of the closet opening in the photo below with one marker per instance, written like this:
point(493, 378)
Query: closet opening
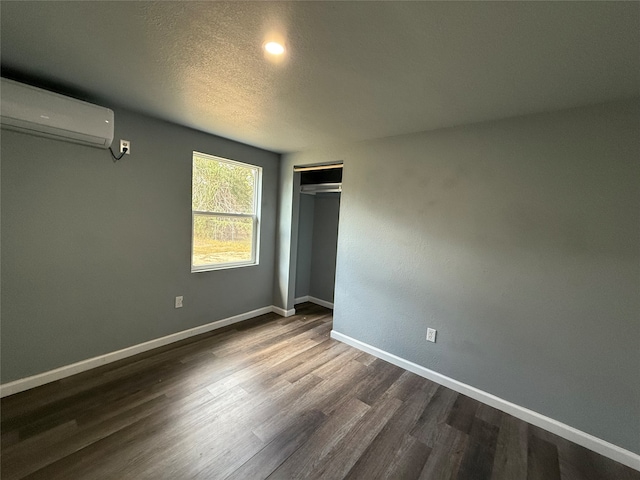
point(318, 218)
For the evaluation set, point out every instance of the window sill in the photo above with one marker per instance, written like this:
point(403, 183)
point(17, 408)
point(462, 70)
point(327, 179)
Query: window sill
point(226, 266)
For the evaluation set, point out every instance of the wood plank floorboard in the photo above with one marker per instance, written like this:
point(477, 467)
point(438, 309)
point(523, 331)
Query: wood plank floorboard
point(273, 398)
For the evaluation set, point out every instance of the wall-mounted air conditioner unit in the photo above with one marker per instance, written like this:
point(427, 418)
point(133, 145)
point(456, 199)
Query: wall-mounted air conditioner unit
point(39, 112)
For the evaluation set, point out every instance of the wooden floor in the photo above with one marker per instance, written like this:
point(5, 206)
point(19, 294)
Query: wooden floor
point(274, 398)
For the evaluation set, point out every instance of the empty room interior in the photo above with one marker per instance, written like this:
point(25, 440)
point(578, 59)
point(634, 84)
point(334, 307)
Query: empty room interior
point(324, 240)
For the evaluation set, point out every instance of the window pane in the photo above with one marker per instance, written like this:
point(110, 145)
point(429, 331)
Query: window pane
point(218, 186)
point(219, 239)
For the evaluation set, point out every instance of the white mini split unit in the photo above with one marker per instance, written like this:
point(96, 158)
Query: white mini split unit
point(39, 112)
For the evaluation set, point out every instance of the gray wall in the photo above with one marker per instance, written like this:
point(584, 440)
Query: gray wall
point(93, 253)
point(518, 240)
point(305, 245)
point(325, 244)
point(284, 276)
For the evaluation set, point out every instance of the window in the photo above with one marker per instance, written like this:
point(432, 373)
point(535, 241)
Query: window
point(225, 211)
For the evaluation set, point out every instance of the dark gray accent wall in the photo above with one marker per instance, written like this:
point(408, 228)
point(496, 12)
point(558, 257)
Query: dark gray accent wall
point(325, 244)
point(94, 252)
point(305, 245)
point(519, 241)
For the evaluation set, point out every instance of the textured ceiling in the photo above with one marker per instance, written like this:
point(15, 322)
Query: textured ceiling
point(354, 70)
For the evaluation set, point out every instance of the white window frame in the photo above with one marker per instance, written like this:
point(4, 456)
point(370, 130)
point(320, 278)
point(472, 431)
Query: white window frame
point(257, 203)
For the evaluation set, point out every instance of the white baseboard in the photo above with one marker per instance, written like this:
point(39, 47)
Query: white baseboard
point(68, 370)
point(579, 437)
point(317, 301)
point(322, 303)
point(282, 312)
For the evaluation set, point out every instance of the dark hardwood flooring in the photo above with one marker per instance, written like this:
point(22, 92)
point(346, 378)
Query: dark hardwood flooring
point(274, 398)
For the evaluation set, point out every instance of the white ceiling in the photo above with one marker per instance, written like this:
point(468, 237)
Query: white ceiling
point(354, 70)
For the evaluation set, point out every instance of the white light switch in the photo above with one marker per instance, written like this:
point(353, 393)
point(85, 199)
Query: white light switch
point(179, 301)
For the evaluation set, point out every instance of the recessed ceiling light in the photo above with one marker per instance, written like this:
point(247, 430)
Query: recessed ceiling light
point(274, 48)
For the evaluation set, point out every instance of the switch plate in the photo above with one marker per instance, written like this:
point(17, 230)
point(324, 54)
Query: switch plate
point(125, 144)
point(179, 301)
point(431, 335)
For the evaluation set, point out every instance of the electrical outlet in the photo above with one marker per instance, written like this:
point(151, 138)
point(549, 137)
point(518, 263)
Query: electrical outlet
point(431, 335)
point(125, 144)
point(179, 301)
